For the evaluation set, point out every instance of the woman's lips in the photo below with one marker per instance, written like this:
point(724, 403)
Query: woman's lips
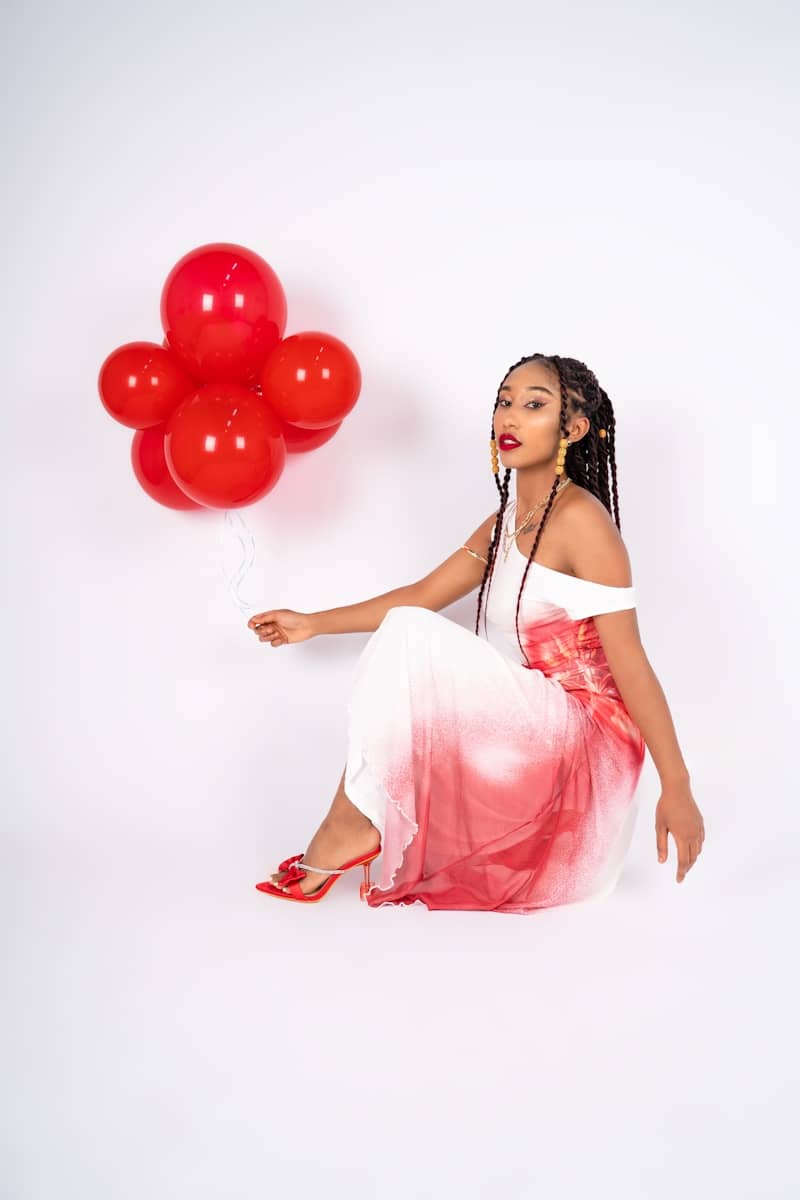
point(508, 442)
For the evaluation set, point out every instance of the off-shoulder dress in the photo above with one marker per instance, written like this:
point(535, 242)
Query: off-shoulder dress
point(495, 785)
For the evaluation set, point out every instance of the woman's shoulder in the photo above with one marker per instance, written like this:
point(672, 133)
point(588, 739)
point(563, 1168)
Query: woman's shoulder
point(593, 544)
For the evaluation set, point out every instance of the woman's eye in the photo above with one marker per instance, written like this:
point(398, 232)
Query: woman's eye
point(537, 403)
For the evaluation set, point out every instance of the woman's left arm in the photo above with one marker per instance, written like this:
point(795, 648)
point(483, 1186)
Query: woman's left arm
point(637, 683)
point(602, 557)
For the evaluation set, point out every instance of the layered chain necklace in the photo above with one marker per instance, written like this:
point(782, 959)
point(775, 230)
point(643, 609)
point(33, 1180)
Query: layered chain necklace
point(510, 534)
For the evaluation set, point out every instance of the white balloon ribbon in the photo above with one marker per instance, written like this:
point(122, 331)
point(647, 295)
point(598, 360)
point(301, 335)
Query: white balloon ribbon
point(235, 523)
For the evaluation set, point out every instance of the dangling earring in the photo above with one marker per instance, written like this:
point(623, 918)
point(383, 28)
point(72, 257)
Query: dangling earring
point(562, 454)
point(495, 464)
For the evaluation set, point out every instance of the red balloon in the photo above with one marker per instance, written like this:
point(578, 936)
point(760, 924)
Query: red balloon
point(141, 383)
point(224, 447)
point(150, 468)
point(311, 379)
point(297, 439)
point(223, 310)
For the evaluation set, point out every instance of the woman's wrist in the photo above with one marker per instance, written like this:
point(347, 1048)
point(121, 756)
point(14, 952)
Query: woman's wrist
point(677, 778)
point(317, 623)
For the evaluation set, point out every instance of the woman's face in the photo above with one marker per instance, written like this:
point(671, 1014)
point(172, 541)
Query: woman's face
point(529, 408)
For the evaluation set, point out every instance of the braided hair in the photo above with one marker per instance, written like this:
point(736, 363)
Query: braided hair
point(590, 462)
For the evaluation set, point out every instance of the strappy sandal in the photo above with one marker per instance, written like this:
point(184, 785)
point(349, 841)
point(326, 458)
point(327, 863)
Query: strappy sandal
point(294, 872)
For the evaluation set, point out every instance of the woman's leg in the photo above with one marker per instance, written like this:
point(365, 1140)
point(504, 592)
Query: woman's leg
point(344, 833)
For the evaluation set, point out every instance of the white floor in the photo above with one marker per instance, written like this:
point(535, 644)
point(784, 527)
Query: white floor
point(173, 1032)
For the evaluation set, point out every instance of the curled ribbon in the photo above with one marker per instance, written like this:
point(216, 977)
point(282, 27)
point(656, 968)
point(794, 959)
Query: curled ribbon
point(234, 522)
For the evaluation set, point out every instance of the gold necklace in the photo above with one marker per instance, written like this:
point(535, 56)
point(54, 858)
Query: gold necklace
point(510, 535)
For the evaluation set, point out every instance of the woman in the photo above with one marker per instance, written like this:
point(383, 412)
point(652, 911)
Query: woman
point(498, 772)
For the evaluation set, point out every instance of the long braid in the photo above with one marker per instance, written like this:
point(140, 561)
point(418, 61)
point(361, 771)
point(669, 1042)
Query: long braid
point(601, 417)
point(605, 419)
point(594, 466)
point(551, 498)
point(498, 525)
point(590, 461)
point(612, 457)
point(579, 464)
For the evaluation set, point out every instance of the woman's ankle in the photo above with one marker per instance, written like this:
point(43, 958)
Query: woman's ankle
point(344, 825)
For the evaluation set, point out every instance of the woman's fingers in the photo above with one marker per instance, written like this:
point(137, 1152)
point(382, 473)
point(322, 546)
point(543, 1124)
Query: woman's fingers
point(267, 629)
point(259, 618)
point(661, 842)
point(262, 623)
point(687, 828)
point(688, 850)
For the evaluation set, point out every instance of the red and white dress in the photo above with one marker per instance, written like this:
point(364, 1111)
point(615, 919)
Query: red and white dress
point(495, 785)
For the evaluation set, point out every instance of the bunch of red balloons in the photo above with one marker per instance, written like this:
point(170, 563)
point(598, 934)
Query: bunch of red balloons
point(222, 400)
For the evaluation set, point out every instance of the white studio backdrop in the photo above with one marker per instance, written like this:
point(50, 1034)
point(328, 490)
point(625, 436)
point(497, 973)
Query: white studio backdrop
point(445, 187)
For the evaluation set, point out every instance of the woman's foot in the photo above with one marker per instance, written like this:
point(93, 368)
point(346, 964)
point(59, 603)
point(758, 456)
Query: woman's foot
point(334, 843)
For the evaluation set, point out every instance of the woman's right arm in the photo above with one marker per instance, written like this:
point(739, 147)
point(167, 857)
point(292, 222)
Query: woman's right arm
point(366, 616)
point(457, 576)
point(282, 626)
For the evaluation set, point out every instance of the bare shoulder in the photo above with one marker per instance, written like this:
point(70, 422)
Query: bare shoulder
point(593, 543)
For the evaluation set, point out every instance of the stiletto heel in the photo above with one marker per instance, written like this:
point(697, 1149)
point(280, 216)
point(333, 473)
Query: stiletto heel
point(366, 885)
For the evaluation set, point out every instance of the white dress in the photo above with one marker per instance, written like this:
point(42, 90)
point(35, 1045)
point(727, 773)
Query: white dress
point(495, 785)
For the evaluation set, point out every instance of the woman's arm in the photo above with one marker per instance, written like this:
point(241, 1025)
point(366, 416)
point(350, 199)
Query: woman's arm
point(599, 554)
point(642, 693)
point(676, 811)
point(364, 617)
point(453, 579)
point(456, 577)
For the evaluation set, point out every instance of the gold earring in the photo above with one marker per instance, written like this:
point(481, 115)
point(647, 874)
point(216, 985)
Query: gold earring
point(562, 454)
point(495, 464)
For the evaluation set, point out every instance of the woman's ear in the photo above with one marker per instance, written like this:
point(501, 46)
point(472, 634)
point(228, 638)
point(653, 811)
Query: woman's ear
point(579, 428)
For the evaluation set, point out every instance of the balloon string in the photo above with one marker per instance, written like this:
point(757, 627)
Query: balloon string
point(235, 522)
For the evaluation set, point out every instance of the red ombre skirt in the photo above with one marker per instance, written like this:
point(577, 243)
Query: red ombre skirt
point(495, 785)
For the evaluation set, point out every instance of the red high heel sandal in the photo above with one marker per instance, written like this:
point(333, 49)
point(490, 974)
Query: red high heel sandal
point(294, 872)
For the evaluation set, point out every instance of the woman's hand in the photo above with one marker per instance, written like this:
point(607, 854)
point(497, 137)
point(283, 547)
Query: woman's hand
point(280, 626)
point(677, 813)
